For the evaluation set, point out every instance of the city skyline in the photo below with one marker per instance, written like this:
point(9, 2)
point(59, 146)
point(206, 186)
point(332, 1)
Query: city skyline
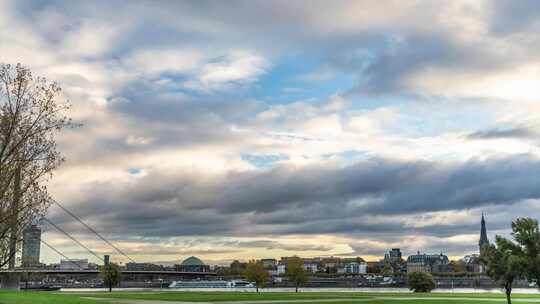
point(266, 129)
point(30, 253)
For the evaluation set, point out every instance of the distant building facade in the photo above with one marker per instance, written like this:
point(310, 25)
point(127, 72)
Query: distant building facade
point(393, 256)
point(31, 247)
point(74, 264)
point(310, 267)
point(268, 263)
point(281, 269)
point(132, 266)
point(355, 268)
point(427, 263)
point(472, 263)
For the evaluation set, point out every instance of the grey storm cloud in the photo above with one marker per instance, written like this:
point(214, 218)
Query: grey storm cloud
point(319, 199)
point(499, 133)
point(503, 18)
point(269, 244)
point(160, 251)
point(412, 53)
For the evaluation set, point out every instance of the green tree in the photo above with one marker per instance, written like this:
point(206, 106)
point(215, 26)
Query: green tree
point(504, 262)
point(421, 282)
point(111, 275)
point(256, 273)
point(387, 270)
point(526, 233)
point(458, 266)
point(295, 272)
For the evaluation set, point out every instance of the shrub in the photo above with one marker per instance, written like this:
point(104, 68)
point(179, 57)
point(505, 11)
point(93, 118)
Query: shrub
point(421, 282)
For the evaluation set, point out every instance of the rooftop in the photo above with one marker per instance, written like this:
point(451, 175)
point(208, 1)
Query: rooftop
point(193, 261)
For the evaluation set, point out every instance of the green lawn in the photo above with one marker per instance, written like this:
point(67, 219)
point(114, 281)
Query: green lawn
point(7, 297)
point(250, 296)
point(340, 297)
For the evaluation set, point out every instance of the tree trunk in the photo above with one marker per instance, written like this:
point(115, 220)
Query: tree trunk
point(110, 286)
point(257, 289)
point(296, 288)
point(508, 294)
point(14, 218)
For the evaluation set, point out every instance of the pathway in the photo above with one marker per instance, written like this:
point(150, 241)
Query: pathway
point(500, 300)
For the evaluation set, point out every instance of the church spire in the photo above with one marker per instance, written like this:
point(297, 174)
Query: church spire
point(483, 234)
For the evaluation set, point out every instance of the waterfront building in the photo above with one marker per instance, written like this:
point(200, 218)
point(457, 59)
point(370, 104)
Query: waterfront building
point(472, 263)
point(268, 263)
point(330, 264)
point(74, 264)
point(354, 268)
point(427, 263)
point(93, 266)
point(132, 266)
point(310, 267)
point(192, 264)
point(31, 247)
point(281, 269)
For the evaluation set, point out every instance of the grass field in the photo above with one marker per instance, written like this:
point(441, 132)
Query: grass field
point(43, 298)
point(230, 297)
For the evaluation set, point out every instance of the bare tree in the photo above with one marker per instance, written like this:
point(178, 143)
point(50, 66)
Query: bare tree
point(31, 116)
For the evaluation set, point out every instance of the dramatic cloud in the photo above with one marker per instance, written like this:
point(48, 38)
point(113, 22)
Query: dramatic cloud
point(248, 129)
point(363, 198)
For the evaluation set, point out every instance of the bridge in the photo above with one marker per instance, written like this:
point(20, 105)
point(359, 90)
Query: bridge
point(61, 277)
point(10, 278)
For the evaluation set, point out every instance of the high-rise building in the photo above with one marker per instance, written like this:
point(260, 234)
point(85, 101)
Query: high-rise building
point(483, 235)
point(31, 247)
point(393, 256)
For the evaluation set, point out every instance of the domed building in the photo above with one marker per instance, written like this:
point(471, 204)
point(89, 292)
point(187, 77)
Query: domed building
point(192, 264)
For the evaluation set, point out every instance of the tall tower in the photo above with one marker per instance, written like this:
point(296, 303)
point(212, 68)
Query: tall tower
point(31, 246)
point(483, 235)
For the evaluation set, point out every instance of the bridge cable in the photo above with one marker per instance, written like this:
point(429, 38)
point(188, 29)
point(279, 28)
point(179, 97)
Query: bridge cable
point(73, 239)
point(60, 253)
point(94, 231)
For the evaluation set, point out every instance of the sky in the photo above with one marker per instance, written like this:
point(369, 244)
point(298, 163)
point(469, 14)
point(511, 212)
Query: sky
point(260, 129)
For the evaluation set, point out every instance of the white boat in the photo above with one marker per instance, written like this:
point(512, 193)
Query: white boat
point(242, 284)
point(211, 284)
point(200, 284)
